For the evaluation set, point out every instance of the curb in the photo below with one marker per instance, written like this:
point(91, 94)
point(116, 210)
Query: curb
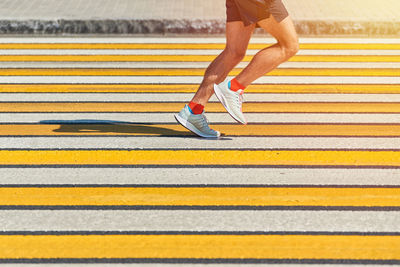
point(53, 27)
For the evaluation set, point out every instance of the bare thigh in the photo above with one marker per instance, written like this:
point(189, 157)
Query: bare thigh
point(238, 37)
point(284, 32)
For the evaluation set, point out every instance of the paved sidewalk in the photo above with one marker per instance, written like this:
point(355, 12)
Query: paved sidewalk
point(312, 17)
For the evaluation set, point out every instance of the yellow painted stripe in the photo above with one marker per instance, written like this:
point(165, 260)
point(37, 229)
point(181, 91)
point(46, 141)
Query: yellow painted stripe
point(185, 58)
point(191, 88)
point(201, 157)
point(272, 107)
point(191, 72)
point(209, 196)
point(177, 130)
point(332, 58)
point(314, 46)
point(201, 247)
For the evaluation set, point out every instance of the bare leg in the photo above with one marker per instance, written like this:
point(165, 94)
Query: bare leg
point(269, 58)
point(237, 40)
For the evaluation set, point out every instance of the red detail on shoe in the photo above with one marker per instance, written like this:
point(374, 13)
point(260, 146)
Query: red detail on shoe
point(196, 108)
point(235, 85)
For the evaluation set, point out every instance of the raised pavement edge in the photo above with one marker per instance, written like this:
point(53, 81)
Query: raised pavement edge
point(183, 26)
point(311, 17)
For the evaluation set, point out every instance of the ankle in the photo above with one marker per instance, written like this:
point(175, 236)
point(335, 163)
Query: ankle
point(234, 85)
point(195, 108)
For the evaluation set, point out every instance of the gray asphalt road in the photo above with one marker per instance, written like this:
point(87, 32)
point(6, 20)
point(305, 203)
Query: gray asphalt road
point(47, 204)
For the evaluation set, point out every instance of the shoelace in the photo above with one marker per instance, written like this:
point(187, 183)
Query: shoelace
point(204, 121)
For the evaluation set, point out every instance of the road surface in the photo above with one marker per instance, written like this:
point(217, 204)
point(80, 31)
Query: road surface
point(94, 168)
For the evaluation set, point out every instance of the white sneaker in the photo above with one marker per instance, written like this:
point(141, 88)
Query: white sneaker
point(197, 124)
point(231, 100)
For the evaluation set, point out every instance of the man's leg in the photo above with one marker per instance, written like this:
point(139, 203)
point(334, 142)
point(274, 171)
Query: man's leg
point(237, 40)
point(264, 61)
point(269, 58)
point(191, 116)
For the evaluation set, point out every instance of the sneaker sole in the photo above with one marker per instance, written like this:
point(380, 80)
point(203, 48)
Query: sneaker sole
point(222, 99)
point(192, 128)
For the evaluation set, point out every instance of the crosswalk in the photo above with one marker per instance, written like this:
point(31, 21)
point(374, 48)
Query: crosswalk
point(94, 168)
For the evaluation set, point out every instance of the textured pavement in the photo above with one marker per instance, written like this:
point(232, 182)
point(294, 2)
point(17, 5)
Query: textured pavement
point(95, 169)
point(368, 17)
point(337, 10)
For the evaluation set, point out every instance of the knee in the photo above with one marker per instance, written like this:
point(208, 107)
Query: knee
point(290, 49)
point(235, 54)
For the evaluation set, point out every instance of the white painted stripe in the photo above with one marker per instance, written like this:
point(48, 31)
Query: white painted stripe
point(213, 118)
point(192, 79)
point(184, 97)
point(197, 143)
point(186, 176)
point(153, 65)
point(191, 39)
point(181, 52)
point(196, 220)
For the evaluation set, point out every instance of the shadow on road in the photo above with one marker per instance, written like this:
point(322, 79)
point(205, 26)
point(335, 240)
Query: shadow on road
point(100, 126)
